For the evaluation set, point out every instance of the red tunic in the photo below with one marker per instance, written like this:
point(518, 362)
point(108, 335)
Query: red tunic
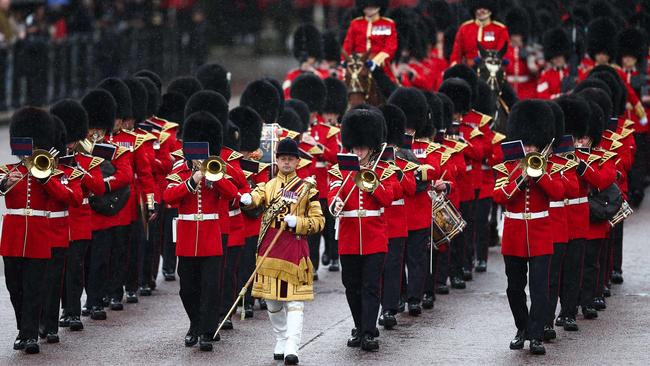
point(92, 182)
point(479, 147)
point(252, 225)
point(123, 177)
point(606, 169)
point(293, 74)
point(564, 171)
point(197, 235)
point(523, 81)
point(375, 37)
point(60, 224)
point(418, 206)
point(549, 84)
point(327, 138)
point(492, 36)
point(396, 213)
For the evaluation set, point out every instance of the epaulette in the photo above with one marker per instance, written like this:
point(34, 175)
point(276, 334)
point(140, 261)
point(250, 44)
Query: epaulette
point(387, 173)
point(234, 155)
point(95, 162)
point(468, 22)
point(315, 150)
point(556, 168)
point(498, 137)
point(178, 164)
point(501, 168)
point(444, 157)
point(388, 19)
point(592, 158)
point(499, 24)
point(606, 156)
point(175, 178)
point(431, 147)
point(335, 171)
point(485, 119)
point(332, 131)
point(460, 146)
point(120, 151)
point(501, 182)
point(303, 163)
point(76, 173)
point(164, 136)
point(613, 136)
point(4, 169)
point(626, 132)
point(475, 132)
point(169, 125)
point(56, 172)
point(128, 132)
point(141, 139)
point(615, 145)
point(291, 134)
point(409, 166)
point(178, 154)
point(570, 164)
point(628, 123)
point(262, 166)
point(247, 174)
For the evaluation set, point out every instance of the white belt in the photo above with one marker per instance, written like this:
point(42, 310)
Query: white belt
point(518, 78)
point(526, 215)
point(468, 168)
point(234, 212)
point(399, 202)
point(198, 217)
point(556, 204)
point(321, 164)
point(361, 213)
point(85, 201)
point(27, 212)
point(576, 201)
point(57, 214)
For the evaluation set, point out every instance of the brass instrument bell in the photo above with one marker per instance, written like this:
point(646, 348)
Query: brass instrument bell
point(213, 168)
point(366, 180)
point(40, 164)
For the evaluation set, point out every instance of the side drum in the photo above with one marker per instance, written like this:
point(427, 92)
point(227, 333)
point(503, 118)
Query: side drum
point(447, 221)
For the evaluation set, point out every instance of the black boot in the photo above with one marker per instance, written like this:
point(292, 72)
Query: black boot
point(334, 266)
point(415, 309)
point(549, 333)
point(589, 313)
point(427, 301)
point(617, 277)
point(76, 324)
point(467, 275)
point(537, 347)
point(570, 325)
point(369, 343)
point(31, 346)
point(291, 360)
point(355, 339)
point(19, 344)
point(519, 340)
point(64, 321)
point(458, 283)
point(116, 305)
point(442, 290)
point(248, 311)
point(388, 319)
point(131, 297)
point(145, 290)
point(481, 266)
point(559, 321)
point(98, 313)
point(205, 342)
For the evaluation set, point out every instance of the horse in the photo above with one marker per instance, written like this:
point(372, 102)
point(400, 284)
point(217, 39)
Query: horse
point(362, 88)
point(491, 69)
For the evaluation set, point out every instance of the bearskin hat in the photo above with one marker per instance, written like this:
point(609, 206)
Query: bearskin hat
point(414, 105)
point(464, 72)
point(153, 95)
point(632, 42)
point(35, 123)
point(186, 85)
point(331, 46)
point(532, 122)
point(209, 101)
point(615, 84)
point(447, 111)
point(60, 135)
point(307, 42)
point(278, 87)
point(215, 77)
point(290, 120)
point(485, 101)
point(435, 116)
point(381, 4)
point(202, 126)
point(492, 5)
point(558, 118)
point(139, 98)
point(518, 21)
point(556, 43)
point(101, 109)
point(596, 123)
point(155, 78)
point(301, 108)
point(459, 92)
point(362, 127)
point(262, 97)
point(250, 127)
point(601, 37)
point(594, 83)
point(121, 94)
point(336, 101)
point(172, 107)
point(600, 97)
point(231, 136)
point(74, 117)
point(576, 113)
point(310, 89)
point(395, 123)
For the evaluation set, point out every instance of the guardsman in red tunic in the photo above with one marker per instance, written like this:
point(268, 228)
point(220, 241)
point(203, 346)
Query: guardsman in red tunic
point(396, 214)
point(491, 34)
point(75, 119)
point(108, 210)
point(522, 69)
point(25, 230)
point(198, 243)
point(373, 34)
point(250, 127)
point(526, 245)
point(557, 50)
point(322, 142)
point(362, 227)
point(308, 50)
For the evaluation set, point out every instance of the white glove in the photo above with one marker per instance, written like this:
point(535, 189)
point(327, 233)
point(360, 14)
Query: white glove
point(291, 220)
point(246, 199)
point(336, 207)
point(644, 121)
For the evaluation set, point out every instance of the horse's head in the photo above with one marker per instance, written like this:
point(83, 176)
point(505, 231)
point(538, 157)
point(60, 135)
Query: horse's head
point(491, 68)
point(357, 77)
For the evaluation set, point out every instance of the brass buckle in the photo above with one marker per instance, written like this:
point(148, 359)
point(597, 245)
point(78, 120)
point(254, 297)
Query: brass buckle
point(198, 217)
point(361, 213)
point(28, 212)
point(527, 216)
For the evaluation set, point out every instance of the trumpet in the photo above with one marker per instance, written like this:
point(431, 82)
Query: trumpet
point(41, 163)
point(213, 168)
point(366, 180)
point(534, 163)
point(624, 212)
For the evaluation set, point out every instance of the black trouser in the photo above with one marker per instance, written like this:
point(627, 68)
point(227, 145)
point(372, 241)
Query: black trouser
point(314, 250)
point(571, 280)
point(231, 279)
point(100, 259)
point(481, 228)
point(443, 266)
point(361, 276)
point(331, 244)
point(416, 263)
point(392, 277)
point(135, 257)
point(590, 268)
point(603, 267)
point(169, 245)
point(247, 265)
point(432, 271)
point(119, 262)
point(53, 282)
point(555, 279)
point(617, 248)
point(24, 278)
point(467, 209)
point(199, 292)
point(74, 276)
point(151, 253)
point(222, 275)
point(639, 171)
point(516, 268)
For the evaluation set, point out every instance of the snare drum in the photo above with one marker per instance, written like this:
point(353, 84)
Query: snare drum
point(447, 222)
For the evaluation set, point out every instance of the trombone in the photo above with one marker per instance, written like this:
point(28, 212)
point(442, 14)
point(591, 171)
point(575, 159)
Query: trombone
point(213, 168)
point(39, 165)
point(534, 163)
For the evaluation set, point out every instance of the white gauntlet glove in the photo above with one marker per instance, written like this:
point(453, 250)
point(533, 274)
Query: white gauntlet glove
point(291, 220)
point(246, 199)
